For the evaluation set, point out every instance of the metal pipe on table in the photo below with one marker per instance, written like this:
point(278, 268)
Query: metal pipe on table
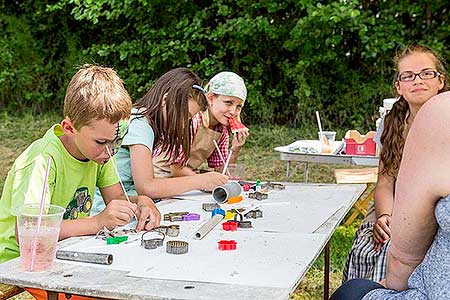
point(94, 258)
point(218, 215)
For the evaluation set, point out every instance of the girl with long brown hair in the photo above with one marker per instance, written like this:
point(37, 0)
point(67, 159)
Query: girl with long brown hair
point(226, 94)
point(161, 120)
point(420, 75)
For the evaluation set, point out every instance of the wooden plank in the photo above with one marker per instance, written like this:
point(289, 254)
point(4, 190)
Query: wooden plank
point(7, 291)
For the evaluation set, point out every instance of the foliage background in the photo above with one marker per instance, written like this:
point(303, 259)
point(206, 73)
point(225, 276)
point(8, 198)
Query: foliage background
point(296, 56)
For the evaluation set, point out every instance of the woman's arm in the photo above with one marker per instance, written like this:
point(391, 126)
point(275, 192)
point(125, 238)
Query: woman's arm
point(423, 178)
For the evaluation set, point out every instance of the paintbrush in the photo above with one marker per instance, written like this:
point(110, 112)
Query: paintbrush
point(120, 180)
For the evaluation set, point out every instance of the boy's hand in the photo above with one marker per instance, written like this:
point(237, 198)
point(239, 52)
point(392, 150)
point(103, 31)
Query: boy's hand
point(211, 180)
point(147, 211)
point(116, 213)
point(239, 140)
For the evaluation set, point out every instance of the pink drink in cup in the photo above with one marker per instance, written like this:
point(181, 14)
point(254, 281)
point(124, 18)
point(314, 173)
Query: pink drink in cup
point(43, 245)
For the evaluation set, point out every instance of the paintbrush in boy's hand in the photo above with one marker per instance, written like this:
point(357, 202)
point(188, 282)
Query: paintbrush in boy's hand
point(120, 180)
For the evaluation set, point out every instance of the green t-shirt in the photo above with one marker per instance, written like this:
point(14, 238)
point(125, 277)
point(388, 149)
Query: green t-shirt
point(71, 184)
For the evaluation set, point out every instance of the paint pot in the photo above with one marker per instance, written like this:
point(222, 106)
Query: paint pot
point(228, 190)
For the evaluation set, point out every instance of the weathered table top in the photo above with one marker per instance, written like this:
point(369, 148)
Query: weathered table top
point(114, 284)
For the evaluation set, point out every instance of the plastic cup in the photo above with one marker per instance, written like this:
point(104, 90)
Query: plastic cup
point(237, 172)
point(43, 245)
point(327, 141)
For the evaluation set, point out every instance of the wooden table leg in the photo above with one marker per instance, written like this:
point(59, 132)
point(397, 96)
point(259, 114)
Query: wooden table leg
point(326, 273)
point(52, 295)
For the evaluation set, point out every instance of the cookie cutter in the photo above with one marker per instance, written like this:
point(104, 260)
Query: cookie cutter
point(245, 224)
point(152, 243)
point(191, 217)
point(238, 217)
point(116, 232)
point(230, 225)
point(175, 216)
point(273, 186)
point(116, 240)
point(209, 207)
point(170, 230)
point(227, 245)
point(254, 214)
point(177, 247)
point(258, 196)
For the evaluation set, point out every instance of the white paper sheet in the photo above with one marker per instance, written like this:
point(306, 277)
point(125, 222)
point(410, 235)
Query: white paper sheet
point(271, 254)
point(308, 146)
point(279, 260)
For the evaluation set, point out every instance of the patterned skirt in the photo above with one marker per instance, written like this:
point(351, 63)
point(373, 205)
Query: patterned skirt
point(363, 261)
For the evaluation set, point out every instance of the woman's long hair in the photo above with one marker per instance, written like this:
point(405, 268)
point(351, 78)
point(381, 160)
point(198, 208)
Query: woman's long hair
point(394, 133)
point(169, 96)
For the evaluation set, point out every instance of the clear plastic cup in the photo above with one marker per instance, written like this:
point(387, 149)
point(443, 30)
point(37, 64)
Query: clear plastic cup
point(37, 250)
point(236, 171)
point(327, 139)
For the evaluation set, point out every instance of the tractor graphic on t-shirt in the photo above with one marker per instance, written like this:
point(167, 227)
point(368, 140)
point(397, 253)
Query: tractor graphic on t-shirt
point(81, 203)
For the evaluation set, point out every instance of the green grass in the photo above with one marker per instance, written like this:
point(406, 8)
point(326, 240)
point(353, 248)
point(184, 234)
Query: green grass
point(259, 158)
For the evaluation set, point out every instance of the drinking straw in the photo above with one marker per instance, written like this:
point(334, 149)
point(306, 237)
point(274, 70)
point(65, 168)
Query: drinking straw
point(120, 180)
point(318, 122)
point(220, 155)
point(41, 211)
point(227, 162)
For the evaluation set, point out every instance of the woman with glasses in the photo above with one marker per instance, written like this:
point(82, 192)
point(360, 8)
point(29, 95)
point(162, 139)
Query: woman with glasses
point(420, 75)
point(418, 264)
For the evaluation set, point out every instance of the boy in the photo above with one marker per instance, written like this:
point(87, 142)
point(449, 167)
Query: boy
point(96, 103)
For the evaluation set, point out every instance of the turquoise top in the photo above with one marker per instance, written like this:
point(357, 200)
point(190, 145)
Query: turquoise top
point(139, 133)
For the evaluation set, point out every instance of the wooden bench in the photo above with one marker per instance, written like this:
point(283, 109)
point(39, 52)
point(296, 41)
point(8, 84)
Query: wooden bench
point(365, 175)
point(7, 291)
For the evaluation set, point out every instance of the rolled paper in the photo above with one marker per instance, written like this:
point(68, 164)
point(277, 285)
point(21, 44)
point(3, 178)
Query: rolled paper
point(206, 228)
point(93, 258)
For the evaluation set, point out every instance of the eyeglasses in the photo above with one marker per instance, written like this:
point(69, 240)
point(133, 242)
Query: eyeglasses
point(411, 76)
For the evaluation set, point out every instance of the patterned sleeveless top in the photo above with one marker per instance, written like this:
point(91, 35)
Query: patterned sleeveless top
point(431, 279)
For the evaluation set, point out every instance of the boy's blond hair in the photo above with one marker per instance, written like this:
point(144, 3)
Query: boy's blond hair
point(96, 93)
